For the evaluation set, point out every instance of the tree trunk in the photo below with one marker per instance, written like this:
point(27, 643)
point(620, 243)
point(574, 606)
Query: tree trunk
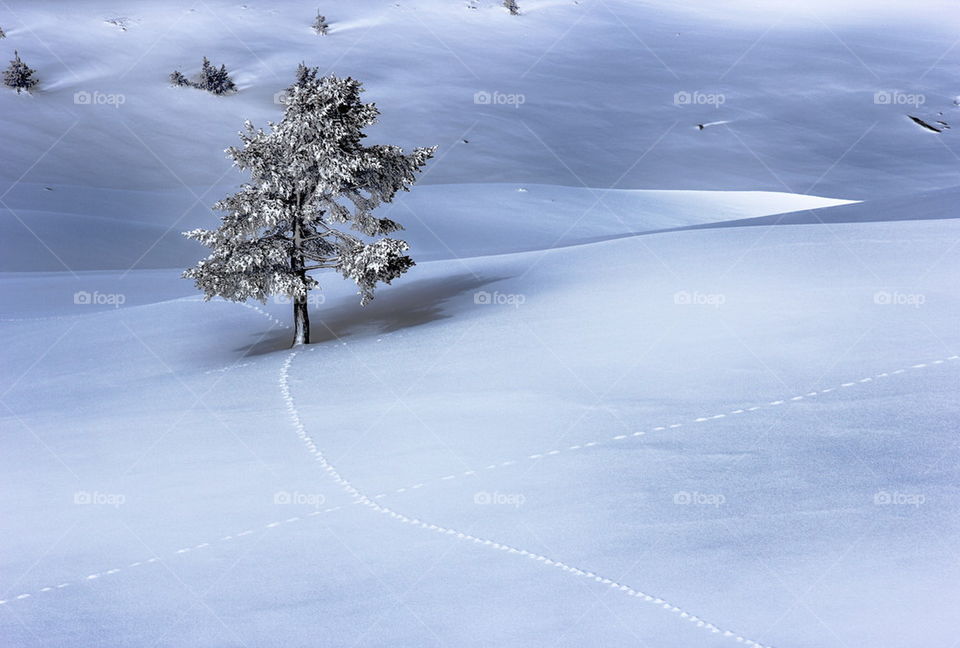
point(301, 317)
point(301, 321)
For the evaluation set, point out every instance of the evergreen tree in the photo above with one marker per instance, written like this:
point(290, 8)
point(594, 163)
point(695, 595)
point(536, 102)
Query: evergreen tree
point(309, 173)
point(305, 76)
point(3, 34)
point(320, 25)
point(215, 80)
point(177, 79)
point(211, 79)
point(512, 7)
point(19, 76)
point(223, 83)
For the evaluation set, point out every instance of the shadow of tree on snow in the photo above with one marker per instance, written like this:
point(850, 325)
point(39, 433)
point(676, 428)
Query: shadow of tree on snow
point(397, 307)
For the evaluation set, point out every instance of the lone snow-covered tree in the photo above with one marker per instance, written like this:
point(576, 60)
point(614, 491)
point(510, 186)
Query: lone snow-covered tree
point(512, 7)
point(320, 24)
point(309, 173)
point(19, 76)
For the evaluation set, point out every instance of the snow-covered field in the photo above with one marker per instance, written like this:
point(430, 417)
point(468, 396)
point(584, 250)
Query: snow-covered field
point(649, 384)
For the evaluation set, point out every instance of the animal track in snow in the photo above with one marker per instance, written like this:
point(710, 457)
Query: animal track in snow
point(359, 497)
point(447, 478)
point(679, 424)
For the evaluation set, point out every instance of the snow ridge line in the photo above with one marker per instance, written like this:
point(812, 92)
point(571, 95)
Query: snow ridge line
point(106, 311)
point(291, 520)
point(359, 497)
point(52, 318)
point(672, 426)
point(102, 311)
point(38, 319)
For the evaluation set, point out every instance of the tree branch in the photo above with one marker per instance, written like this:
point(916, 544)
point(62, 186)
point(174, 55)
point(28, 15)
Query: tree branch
point(317, 258)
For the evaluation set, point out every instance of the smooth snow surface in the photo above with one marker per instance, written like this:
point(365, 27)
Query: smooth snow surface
point(648, 385)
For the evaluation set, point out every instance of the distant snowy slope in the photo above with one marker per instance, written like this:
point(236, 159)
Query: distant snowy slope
point(600, 94)
point(598, 82)
point(479, 219)
point(122, 230)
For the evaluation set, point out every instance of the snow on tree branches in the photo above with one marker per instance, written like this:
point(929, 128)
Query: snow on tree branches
point(177, 79)
point(211, 79)
point(320, 25)
point(308, 174)
point(512, 7)
point(3, 34)
point(215, 80)
point(305, 77)
point(19, 75)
